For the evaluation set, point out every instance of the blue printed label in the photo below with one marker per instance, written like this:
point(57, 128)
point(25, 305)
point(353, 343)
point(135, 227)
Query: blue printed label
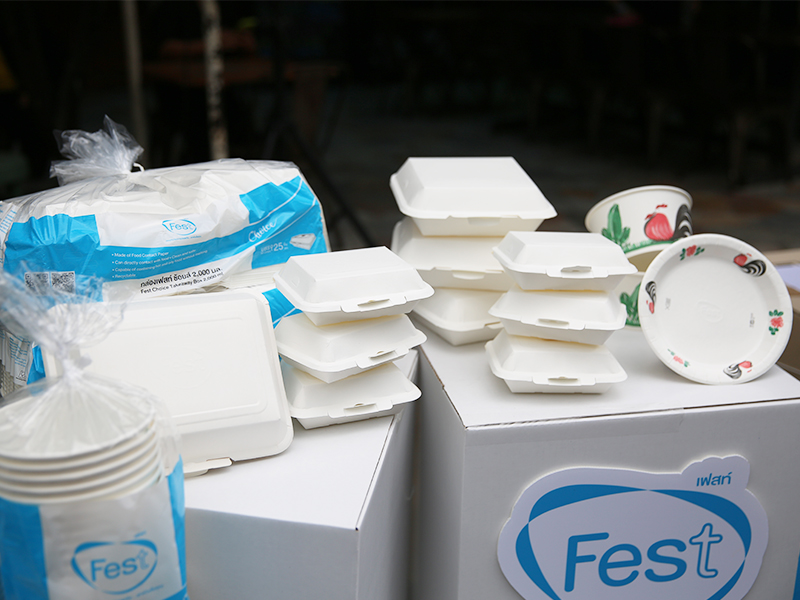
point(592, 533)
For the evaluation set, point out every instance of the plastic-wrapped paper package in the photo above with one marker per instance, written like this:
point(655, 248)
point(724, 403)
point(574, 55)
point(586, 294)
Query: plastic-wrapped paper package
point(91, 478)
point(160, 231)
point(16, 357)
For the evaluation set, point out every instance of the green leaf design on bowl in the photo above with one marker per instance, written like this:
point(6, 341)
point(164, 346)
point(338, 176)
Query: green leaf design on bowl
point(615, 231)
point(631, 302)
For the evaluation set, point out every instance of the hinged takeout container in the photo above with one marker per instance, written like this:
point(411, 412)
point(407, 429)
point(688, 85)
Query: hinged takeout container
point(568, 316)
point(529, 365)
point(352, 284)
point(459, 316)
point(333, 352)
point(213, 360)
point(451, 262)
point(374, 393)
point(549, 260)
point(474, 196)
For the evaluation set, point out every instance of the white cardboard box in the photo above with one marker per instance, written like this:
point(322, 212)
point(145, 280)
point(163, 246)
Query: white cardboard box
point(481, 446)
point(328, 518)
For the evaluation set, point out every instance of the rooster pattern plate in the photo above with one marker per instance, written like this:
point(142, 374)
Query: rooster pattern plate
point(715, 310)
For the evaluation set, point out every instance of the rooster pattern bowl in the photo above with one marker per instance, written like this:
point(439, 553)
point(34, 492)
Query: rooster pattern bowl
point(643, 220)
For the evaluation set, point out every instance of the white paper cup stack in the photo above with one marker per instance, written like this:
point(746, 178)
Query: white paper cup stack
point(78, 451)
point(457, 210)
point(559, 314)
point(338, 355)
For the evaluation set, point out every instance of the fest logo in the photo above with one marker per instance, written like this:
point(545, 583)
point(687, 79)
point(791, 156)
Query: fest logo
point(593, 533)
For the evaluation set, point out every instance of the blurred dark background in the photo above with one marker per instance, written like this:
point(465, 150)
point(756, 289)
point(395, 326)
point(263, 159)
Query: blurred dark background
point(591, 97)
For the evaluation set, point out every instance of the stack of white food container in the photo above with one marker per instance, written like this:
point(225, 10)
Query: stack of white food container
point(338, 354)
point(457, 210)
point(559, 314)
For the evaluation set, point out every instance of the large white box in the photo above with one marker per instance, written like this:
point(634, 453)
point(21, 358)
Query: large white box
point(481, 447)
point(328, 518)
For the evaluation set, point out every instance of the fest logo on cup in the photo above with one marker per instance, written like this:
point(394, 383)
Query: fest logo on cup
point(115, 568)
point(589, 533)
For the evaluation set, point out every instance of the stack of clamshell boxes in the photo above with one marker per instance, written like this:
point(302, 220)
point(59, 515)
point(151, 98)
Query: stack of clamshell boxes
point(456, 211)
point(560, 312)
point(338, 354)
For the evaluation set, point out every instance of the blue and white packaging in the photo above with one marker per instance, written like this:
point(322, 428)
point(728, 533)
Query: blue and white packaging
point(91, 478)
point(124, 548)
point(161, 231)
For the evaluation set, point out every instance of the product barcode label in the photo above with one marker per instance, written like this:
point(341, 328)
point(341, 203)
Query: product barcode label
point(40, 283)
point(63, 281)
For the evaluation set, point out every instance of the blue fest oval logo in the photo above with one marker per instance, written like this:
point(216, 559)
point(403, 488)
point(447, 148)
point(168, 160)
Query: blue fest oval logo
point(589, 533)
point(179, 226)
point(115, 567)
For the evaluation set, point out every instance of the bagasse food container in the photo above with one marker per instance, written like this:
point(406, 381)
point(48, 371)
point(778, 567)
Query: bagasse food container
point(568, 316)
point(333, 352)
point(365, 283)
point(531, 365)
point(451, 262)
point(472, 196)
point(213, 360)
point(459, 316)
point(545, 260)
point(374, 393)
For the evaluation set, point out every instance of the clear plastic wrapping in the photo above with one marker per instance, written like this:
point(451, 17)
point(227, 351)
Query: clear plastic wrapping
point(110, 151)
point(91, 479)
point(79, 412)
point(159, 231)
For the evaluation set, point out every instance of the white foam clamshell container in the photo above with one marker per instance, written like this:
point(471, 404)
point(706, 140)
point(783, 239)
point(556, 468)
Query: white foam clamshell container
point(550, 260)
point(349, 285)
point(451, 262)
point(374, 393)
point(567, 316)
point(472, 196)
point(213, 360)
point(333, 352)
point(459, 316)
point(531, 365)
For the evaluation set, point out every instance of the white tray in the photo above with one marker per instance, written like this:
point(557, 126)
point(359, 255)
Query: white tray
point(715, 310)
point(530, 365)
point(549, 260)
point(212, 359)
point(349, 285)
point(374, 393)
point(568, 316)
point(459, 316)
point(472, 196)
point(333, 352)
point(451, 262)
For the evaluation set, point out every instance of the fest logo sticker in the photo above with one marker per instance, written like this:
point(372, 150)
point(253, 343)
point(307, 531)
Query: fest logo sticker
point(589, 533)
